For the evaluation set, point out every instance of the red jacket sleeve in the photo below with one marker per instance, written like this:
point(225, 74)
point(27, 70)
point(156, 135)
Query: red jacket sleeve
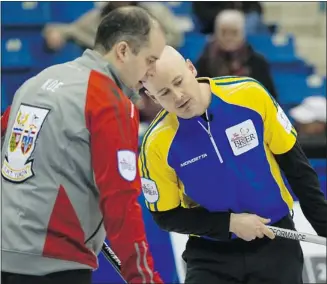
point(4, 121)
point(113, 125)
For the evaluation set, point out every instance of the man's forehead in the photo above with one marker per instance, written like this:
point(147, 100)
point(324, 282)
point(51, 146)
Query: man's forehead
point(165, 72)
point(159, 83)
point(170, 65)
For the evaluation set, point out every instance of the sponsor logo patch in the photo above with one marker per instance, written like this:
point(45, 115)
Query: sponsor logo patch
point(242, 137)
point(150, 190)
point(127, 164)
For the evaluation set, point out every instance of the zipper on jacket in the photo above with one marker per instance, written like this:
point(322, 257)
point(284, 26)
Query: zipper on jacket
point(213, 142)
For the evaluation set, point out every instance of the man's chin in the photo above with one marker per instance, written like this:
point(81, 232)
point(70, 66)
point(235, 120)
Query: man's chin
point(185, 115)
point(138, 86)
point(132, 86)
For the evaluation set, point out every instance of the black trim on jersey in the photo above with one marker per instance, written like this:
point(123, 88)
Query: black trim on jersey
point(305, 184)
point(300, 175)
point(197, 221)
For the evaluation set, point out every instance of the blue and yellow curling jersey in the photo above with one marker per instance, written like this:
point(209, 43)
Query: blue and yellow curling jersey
point(228, 165)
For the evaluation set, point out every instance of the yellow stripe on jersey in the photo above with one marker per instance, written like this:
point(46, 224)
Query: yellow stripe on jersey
point(279, 134)
point(153, 163)
point(153, 124)
point(275, 171)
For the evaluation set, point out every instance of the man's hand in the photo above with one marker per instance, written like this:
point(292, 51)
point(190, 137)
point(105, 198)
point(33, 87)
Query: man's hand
point(249, 226)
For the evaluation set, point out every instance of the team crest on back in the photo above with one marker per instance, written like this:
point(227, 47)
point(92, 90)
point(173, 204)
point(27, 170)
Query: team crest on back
point(17, 166)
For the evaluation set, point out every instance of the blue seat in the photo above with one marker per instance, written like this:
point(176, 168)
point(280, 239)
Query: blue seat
point(70, 52)
point(282, 58)
point(280, 53)
point(4, 99)
point(194, 44)
point(25, 13)
point(15, 52)
point(180, 7)
point(39, 55)
point(265, 44)
point(12, 80)
point(289, 79)
point(296, 92)
point(68, 11)
point(295, 66)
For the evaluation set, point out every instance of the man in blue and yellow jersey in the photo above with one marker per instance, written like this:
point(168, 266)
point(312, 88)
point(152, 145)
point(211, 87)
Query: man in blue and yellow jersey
point(211, 165)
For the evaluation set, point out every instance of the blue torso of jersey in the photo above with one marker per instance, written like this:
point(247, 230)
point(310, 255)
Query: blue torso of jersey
point(223, 163)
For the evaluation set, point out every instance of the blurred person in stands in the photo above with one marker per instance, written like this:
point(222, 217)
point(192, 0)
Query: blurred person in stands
point(83, 30)
point(69, 161)
point(228, 53)
point(206, 12)
point(310, 122)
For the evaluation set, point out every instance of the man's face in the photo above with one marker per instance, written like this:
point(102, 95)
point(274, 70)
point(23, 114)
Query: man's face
point(137, 67)
point(230, 37)
point(176, 89)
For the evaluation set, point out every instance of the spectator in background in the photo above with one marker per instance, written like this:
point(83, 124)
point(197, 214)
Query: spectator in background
point(206, 13)
point(83, 30)
point(228, 53)
point(310, 123)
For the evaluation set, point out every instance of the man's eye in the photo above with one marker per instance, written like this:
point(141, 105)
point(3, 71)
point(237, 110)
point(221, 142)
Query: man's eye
point(165, 93)
point(178, 83)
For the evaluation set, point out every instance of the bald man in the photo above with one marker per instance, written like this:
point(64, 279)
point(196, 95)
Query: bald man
point(211, 164)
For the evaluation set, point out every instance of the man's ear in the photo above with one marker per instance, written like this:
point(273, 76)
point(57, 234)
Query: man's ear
point(122, 51)
point(191, 67)
point(151, 96)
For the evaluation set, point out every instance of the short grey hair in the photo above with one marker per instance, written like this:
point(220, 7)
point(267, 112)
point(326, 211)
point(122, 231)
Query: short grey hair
point(130, 24)
point(234, 17)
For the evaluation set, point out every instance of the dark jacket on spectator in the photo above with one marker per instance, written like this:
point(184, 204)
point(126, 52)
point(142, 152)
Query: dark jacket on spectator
point(206, 12)
point(215, 62)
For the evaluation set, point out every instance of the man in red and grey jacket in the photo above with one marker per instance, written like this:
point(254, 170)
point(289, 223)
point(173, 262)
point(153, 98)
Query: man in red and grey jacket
point(69, 172)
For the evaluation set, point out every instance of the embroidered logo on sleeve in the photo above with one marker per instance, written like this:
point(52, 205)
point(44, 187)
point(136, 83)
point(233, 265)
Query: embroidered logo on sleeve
point(150, 190)
point(127, 164)
point(283, 120)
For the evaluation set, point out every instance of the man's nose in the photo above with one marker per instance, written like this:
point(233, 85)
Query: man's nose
point(151, 70)
point(178, 96)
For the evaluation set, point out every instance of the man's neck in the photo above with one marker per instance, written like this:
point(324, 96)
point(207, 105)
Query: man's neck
point(111, 60)
point(114, 68)
point(206, 94)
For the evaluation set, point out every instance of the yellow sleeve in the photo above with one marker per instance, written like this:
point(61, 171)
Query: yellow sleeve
point(159, 181)
point(279, 133)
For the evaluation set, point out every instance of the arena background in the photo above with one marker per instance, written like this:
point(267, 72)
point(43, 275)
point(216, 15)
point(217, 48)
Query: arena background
point(295, 48)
